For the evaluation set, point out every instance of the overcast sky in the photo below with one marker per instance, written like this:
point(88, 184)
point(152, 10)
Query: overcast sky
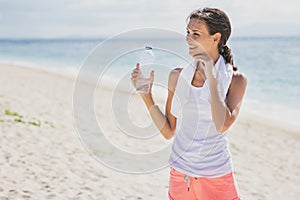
point(103, 18)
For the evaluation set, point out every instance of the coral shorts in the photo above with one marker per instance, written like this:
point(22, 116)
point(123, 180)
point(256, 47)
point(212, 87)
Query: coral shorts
point(182, 187)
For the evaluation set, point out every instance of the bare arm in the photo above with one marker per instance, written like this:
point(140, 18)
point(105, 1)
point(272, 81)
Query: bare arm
point(224, 113)
point(166, 123)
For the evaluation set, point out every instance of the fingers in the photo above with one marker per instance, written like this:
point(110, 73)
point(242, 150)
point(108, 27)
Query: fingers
point(137, 65)
point(203, 61)
point(202, 57)
point(200, 65)
point(136, 72)
point(152, 76)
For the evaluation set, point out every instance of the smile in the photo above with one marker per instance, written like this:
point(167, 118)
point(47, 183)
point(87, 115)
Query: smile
point(192, 48)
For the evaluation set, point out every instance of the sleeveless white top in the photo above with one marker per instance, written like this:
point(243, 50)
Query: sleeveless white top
point(199, 150)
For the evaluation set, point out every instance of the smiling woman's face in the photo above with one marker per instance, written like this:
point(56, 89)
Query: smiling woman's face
point(199, 39)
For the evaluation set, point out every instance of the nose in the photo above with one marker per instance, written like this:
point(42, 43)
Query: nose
point(189, 40)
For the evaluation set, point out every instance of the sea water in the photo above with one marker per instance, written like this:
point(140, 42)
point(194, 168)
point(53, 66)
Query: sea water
point(270, 64)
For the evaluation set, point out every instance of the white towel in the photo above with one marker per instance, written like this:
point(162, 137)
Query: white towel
point(183, 89)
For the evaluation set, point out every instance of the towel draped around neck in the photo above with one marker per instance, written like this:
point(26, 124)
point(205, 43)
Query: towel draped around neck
point(184, 86)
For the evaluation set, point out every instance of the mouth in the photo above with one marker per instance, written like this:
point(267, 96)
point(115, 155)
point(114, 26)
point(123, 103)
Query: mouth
point(192, 47)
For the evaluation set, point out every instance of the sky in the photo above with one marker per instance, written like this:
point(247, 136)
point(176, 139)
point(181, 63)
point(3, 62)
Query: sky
point(105, 18)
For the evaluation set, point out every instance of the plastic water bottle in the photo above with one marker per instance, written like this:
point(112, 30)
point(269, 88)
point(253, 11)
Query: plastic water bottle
point(146, 64)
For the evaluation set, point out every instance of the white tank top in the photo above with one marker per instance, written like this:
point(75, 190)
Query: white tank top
point(198, 149)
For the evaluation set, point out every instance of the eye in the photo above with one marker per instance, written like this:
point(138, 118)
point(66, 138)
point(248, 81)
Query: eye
point(196, 34)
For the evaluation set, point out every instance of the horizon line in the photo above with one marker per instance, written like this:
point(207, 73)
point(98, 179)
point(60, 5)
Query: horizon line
point(107, 37)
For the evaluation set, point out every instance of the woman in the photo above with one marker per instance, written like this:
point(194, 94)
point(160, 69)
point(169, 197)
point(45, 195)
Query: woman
point(203, 101)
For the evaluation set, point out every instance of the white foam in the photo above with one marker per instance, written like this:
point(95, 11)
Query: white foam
point(63, 70)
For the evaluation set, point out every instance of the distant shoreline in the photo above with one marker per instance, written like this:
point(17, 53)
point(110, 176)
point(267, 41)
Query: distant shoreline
point(101, 38)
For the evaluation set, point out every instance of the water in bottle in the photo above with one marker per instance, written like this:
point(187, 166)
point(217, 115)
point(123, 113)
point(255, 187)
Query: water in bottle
point(146, 62)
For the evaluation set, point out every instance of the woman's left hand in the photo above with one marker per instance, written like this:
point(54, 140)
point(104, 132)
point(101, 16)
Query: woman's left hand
point(206, 64)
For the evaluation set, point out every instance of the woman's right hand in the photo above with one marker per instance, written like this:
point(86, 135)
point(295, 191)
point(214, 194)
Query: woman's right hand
point(136, 73)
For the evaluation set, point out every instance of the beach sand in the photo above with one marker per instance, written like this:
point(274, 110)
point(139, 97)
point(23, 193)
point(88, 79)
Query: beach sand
point(42, 156)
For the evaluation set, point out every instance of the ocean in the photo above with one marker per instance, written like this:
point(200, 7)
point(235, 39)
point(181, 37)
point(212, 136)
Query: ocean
point(271, 65)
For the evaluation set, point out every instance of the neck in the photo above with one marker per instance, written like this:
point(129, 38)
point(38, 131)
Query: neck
point(215, 57)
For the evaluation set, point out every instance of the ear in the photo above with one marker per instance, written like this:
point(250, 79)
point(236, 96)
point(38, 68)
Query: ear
point(217, 38)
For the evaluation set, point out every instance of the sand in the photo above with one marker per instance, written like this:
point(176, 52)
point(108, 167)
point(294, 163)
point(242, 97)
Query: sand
point(43, 157)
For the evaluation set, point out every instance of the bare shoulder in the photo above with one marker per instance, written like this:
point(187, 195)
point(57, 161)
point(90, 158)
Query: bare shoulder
point(175, 72)
point(236, 90)
point(237, 86)
point(238, 79)
point(173, 78)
